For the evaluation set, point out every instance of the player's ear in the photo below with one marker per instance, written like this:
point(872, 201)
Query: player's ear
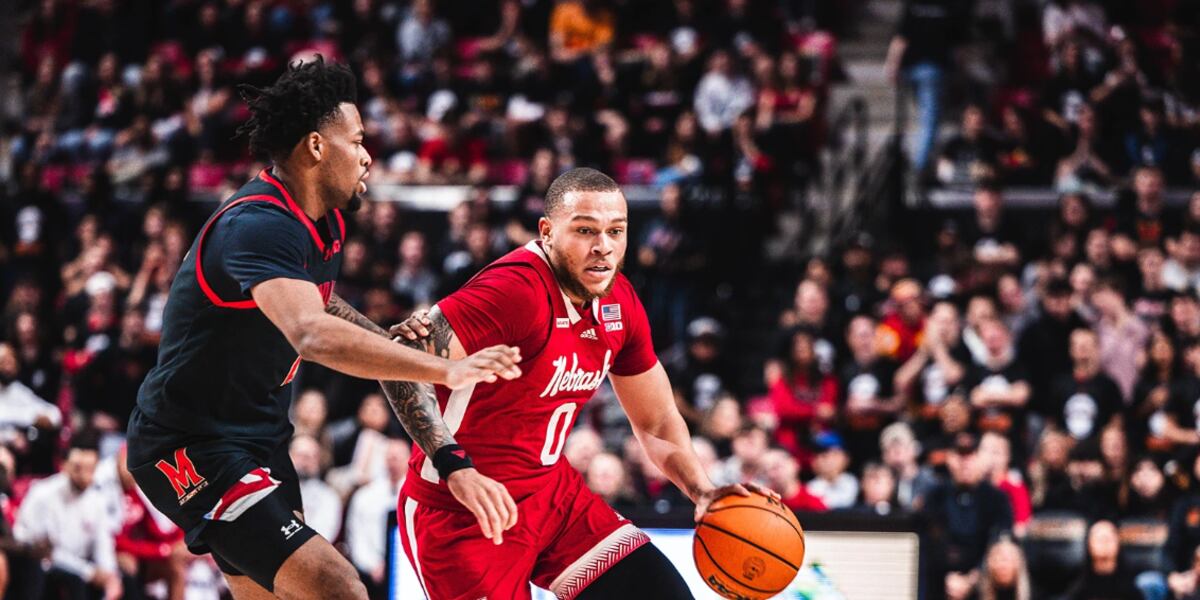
point(544, 228)
point(314, 145)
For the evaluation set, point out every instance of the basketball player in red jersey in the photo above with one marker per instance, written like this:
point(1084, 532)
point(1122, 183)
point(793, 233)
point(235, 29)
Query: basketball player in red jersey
point(489, 506)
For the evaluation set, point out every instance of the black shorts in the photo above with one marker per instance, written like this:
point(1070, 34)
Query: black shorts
point(230, 499)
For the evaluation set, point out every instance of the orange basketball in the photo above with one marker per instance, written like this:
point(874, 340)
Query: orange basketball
point(748, 548)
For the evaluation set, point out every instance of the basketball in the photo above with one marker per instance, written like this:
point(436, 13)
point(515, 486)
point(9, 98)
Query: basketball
point(748, 548)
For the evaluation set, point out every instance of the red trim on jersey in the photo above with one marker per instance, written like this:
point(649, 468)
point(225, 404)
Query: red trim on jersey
point(341, 224)
point(295, 208)
point(207, 289)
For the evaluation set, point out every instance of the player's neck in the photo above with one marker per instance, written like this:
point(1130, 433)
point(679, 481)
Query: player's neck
point(302, 191)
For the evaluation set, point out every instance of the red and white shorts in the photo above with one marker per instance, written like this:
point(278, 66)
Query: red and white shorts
point(565, 537)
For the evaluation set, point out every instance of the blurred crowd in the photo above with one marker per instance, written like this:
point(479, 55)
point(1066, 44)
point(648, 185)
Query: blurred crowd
point(1068, 93)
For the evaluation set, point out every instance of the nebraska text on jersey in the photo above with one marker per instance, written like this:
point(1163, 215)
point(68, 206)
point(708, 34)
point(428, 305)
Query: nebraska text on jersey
point(575, 379)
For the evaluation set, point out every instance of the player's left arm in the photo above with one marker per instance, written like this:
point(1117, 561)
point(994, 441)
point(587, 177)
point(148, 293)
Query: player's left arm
point(650, 405)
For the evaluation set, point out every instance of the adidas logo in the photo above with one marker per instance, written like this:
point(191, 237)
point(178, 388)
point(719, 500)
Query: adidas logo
point(590, 334)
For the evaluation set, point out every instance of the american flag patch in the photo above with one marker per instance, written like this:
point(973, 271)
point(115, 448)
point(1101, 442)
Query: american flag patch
point(610, 312)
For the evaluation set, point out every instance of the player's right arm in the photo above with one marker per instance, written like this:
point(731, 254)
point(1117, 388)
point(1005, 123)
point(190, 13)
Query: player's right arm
point(296, 308)
point(416, 406)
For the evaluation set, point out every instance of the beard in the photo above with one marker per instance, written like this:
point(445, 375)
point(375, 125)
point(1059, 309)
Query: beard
point(562, 272)
point(354, 203)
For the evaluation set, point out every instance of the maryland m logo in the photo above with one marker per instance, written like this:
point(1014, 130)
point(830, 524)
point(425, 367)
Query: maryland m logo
point(182, 475)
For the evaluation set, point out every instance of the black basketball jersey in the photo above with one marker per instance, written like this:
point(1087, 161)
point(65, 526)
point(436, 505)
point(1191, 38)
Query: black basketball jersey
point(223, 368)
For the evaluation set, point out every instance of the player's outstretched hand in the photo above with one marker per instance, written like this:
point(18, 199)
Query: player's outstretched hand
point(415, 327)
point(742, 489)
point(486, 365)
point(487, 499)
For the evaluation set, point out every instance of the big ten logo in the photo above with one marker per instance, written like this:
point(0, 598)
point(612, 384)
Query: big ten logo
point(326, 291)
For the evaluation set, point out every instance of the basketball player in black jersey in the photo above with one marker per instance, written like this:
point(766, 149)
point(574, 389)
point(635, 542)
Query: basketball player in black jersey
point(254, 295)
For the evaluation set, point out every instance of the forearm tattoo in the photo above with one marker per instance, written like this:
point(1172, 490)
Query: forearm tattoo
point(414, 403)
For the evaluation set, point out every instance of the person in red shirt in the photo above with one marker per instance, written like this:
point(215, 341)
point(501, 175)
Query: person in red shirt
point(803, 400)
point(149, 544)
point(783, 474)
point(902, 326)
point(995, 451)
point(489, 506)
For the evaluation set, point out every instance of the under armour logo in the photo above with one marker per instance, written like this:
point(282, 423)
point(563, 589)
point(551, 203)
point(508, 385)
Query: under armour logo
point(589, 334)
point(290, 529)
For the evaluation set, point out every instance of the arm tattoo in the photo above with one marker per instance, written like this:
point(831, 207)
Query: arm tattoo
point(414, 403)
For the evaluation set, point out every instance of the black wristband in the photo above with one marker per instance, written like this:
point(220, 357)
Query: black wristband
point(450, 458)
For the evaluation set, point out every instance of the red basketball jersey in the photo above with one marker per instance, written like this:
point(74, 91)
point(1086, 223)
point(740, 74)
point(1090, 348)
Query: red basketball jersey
point(515, 430)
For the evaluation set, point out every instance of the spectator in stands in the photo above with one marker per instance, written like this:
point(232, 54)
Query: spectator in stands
point(1153, 294)
point(1145, 222)
point(672, 260)
point(725, 420)
point(901, 450)
point(1181, 272)
point(1085, 400)
point(921, 53)
point(1182, 425)
point(995, 454)
point(995, 240)
point(1087, 489)
point(746, 464)
point(783, 475)
point(1121, 334)
point(359, 443)
point(579, 29)
point(1044, 346)
point(1085, 167)
point(878, 491)
point(583, 444)
point(999, 390)
point(699, 371)
point(149, 546)
point(972, 154)
point(902, 323)
point(868, 379)
point(420, 36)
point(810, 311)
point(937, 366)
point(722, 95)
point(414, 280)
point(22, 412)
point(367, 518)
point(322, 505)
point(606, 477)
point(1148, 414)
point(1005, 574)
point(1103, 577)
point(965, 515)
point(833, 484)
point(802, 399)
point(1145, 494)
point(64, 511)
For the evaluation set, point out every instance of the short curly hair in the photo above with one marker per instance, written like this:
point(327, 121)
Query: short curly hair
point(305, 97)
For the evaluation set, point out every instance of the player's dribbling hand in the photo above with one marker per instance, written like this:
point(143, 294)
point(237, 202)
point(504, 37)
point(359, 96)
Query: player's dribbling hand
point(487, 499)
point(742, 489)
point(486, 365)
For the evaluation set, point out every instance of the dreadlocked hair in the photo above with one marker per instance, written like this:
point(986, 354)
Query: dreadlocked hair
point(303, 99)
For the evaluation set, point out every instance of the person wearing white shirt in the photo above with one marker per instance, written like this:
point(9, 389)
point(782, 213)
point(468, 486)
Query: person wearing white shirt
point(20, 407)
point(721, 96)
point(367, 516)
point(322, 505)
point(66, 512)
